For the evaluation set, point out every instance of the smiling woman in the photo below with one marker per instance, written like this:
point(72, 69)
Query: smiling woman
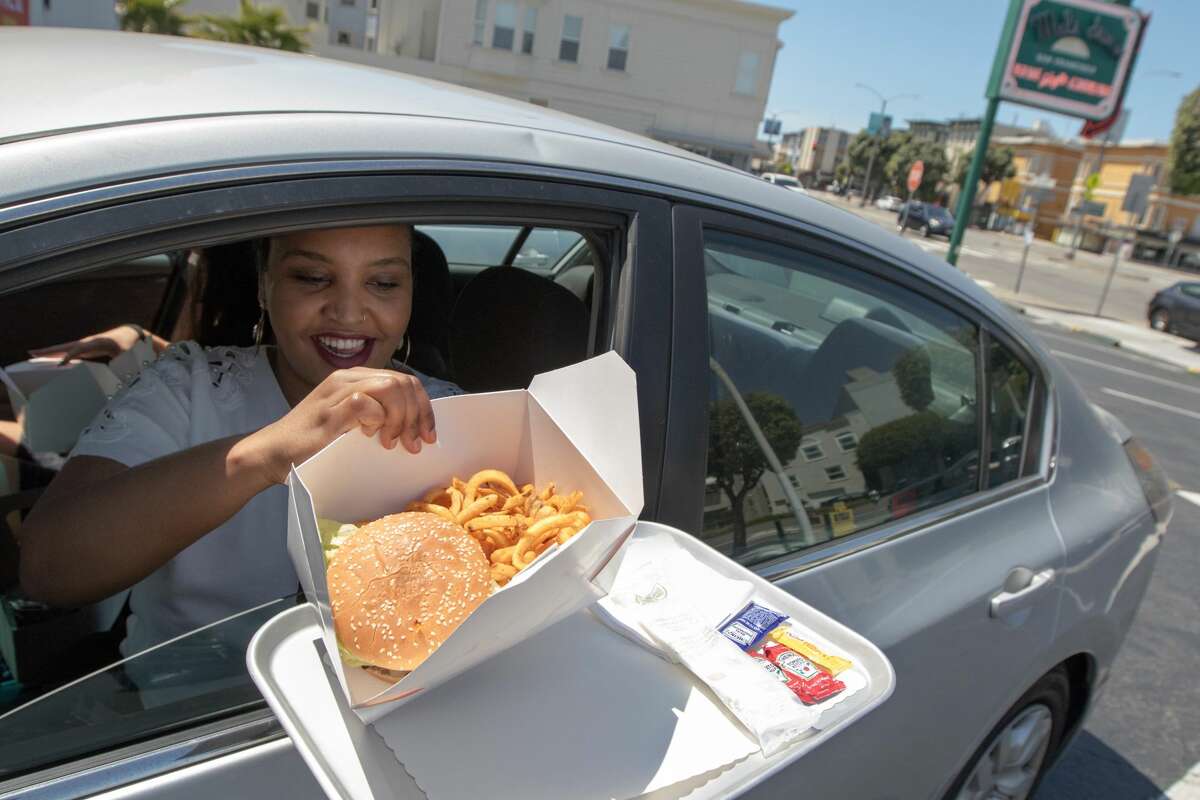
point(226, 424)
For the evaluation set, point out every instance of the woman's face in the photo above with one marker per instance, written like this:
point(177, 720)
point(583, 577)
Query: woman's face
point(338, 298)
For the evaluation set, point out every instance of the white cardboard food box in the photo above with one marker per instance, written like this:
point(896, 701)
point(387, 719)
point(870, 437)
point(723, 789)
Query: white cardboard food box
point(576, 426)
point(56, 401)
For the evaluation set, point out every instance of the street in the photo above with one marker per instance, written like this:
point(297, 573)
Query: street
point(993, 259)
point(1145, 734)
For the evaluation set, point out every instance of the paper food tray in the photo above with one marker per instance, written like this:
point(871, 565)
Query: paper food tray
point(351, 760)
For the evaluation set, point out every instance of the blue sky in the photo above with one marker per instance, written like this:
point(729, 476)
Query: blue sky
point(942, 50)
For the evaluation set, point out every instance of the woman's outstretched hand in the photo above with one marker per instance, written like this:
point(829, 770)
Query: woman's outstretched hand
point(392, 404)
point(106, 344)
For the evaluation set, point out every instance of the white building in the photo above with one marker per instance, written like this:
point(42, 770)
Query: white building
point(694, 73)
point(814, 153)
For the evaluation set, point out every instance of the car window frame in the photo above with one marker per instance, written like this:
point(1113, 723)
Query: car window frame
point(688, 419)
point(87, 230)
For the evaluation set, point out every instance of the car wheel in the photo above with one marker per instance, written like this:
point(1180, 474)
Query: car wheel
point(1013, 758)
point(1160, 319)
point(925, 231)
point(900, 228)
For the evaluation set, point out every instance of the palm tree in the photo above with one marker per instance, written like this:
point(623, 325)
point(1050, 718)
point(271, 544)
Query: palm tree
point(152, 16)
point(262, 26)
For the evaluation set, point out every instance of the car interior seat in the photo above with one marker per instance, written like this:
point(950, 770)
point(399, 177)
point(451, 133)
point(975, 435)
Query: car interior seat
point(509, 325)
point(852, 344)
point(432, 304)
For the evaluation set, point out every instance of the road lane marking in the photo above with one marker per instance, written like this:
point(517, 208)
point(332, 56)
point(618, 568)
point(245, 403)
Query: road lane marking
point(1191, 497)
point(1153, 403)
point(1132, 372)
point(1186, 788)
point(984, 284)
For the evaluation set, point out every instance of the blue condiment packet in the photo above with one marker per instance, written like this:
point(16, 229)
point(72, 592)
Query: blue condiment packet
point(750, 626)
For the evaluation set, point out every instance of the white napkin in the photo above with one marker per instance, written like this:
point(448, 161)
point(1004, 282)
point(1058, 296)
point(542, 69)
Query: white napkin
point(708, 594)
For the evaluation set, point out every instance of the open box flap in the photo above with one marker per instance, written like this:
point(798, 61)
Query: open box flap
point(594, 403)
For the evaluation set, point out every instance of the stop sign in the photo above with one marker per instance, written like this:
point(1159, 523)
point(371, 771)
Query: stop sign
point(915, 174)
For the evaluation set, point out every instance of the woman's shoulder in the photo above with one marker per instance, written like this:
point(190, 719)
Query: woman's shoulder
point(187, 367)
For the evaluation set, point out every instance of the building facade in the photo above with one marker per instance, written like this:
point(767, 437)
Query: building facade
point(1036, 159)
point(59, 13)
point(693, 73)
point(813, 153)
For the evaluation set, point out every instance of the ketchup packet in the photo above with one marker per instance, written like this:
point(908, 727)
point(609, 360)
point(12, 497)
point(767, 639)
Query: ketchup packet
point(810, 684)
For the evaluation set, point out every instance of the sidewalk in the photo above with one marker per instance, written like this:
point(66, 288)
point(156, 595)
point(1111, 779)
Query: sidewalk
point(1175, 350)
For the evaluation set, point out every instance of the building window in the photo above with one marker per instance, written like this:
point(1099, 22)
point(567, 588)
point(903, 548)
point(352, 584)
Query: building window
point(527, 34)
point(792, 479)
point(835, 473)
point(371, 44)
point(343, 37)
point(480, 21)
point(349, 2)
point(568, 49)
point(618, 47)
point(373, 5)
point(505, 25)
point(847, 441)
point(312, 10)
point(812, 451)
point(747, 74)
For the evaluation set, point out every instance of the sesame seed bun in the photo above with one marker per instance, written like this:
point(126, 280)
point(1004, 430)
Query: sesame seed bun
point(400, 585)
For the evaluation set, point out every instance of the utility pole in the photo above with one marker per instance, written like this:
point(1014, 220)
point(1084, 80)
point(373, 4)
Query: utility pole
point(879, 137)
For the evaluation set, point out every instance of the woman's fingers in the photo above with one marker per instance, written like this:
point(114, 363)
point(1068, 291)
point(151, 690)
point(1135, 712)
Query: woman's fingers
point(359, 409)
point(407, 412)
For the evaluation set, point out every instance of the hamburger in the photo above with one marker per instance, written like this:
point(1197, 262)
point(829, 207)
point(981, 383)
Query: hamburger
point(399, 586)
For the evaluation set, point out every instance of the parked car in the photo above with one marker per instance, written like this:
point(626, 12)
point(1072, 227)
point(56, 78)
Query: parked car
point(1176, 309)
point(786, 181)
point(969, 544)
point(928, 218)
point(889, 202)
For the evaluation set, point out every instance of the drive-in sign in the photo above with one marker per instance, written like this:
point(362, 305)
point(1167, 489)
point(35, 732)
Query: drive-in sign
point(1071, 56)
point(915, 173)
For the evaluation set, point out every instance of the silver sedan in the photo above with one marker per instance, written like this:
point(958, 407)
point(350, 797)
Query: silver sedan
point(848, 416)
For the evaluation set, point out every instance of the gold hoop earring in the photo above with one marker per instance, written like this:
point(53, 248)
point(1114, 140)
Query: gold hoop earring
point(259, 326)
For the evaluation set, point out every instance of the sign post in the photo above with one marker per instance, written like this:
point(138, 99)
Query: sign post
point(915, 173)
point(1068, 56)
point(1039, 191)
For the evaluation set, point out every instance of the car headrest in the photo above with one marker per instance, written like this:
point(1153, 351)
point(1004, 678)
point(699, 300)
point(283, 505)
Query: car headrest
point(433, 302)
point(509, 325)
point(852, 343)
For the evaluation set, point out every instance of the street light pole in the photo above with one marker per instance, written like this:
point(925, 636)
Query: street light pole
point(883, 101)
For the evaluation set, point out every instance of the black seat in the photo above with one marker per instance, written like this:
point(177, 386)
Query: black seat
point(433, 301)
point(509, 325)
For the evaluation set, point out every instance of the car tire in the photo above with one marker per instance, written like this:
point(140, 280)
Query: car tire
point(1160, 320)
point(1016, 754)
point(899, 228)
point(925, 231)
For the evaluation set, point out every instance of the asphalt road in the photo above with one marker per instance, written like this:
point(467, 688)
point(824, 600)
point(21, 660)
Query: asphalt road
point(1144, 735)
point(1050, 279)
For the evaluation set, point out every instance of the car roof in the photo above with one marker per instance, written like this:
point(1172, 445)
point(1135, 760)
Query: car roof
point(87, 108)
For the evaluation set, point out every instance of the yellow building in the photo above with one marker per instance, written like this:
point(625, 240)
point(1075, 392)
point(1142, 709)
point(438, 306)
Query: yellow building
point(1036, 159)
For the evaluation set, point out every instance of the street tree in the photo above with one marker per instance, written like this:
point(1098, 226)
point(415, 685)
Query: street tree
point(262, 26)
point(858, 155)
point(735, 461)
point(909, 151)
point(997, 166)
point(152, 16)
point(1183, 158)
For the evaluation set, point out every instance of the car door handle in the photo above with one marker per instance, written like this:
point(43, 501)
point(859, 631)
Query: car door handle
point(1020, 590)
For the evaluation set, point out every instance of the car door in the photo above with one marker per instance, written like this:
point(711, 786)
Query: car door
point(877, 392)
point(190, 723)
point(1190, 308)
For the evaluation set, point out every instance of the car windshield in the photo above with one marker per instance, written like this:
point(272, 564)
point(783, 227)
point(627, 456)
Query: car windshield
point(783, 180)
point(938, 213)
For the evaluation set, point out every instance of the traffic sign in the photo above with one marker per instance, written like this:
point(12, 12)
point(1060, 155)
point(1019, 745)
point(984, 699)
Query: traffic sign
point(915, 173)
point(1138, 194)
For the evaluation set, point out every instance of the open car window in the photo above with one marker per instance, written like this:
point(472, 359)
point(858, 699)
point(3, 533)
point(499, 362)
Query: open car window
point(65, 691)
